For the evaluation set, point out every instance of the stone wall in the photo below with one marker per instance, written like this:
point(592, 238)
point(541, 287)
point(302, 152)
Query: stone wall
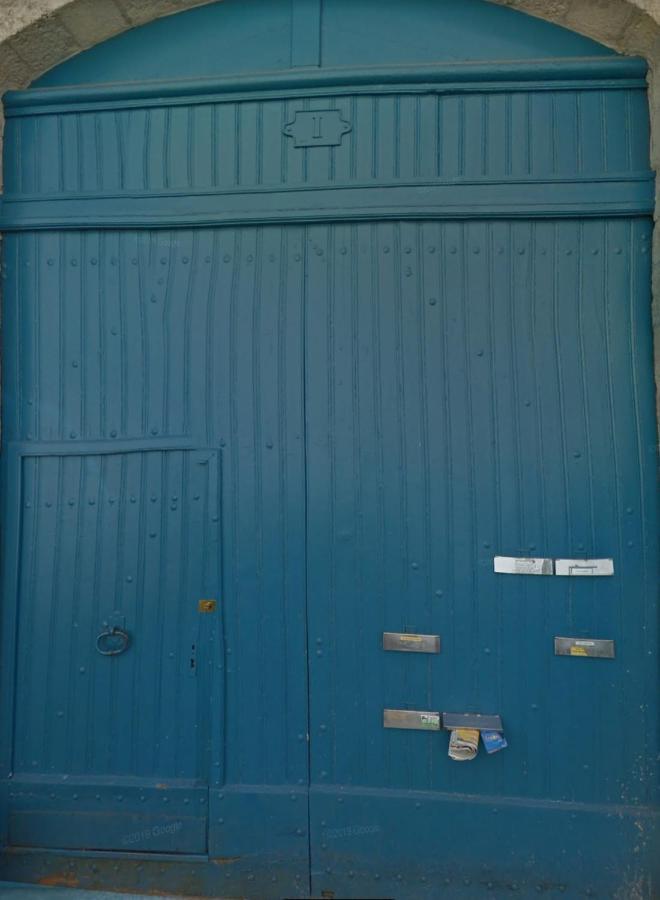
point(35, 35)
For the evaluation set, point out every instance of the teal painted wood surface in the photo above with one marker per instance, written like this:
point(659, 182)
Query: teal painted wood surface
point(314, 328)
point(246, 36)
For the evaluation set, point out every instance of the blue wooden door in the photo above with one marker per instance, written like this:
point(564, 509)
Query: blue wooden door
point(467, 388)
point(190, 539)
point(113, 661)
point(308, 315)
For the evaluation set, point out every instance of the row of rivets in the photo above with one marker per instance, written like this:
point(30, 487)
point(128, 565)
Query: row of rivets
point(118, 798)
point(467, 882)
point(113, 434)
point(272, 257)
point(112, 500)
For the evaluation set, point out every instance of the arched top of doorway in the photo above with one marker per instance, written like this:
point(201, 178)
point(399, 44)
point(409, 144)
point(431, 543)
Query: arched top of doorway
point(241, 36)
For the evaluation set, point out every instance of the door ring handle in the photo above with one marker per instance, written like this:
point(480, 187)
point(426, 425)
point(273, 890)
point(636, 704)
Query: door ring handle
point(114, 632)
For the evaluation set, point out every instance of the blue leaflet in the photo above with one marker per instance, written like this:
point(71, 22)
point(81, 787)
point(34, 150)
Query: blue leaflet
point(493, 741)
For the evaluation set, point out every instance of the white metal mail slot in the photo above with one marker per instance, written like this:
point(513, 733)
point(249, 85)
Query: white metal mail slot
point(411, 643)
point(594, 647)
point(523, 565)
point(411, 718)
point(584, 567)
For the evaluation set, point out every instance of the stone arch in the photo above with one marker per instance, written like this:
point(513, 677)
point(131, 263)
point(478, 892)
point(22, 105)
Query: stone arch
point(36, 35)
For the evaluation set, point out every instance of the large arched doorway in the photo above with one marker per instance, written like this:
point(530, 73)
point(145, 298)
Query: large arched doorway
point(310, 315)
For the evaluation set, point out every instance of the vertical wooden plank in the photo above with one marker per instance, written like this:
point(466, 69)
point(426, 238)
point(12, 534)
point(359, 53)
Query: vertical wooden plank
point(305, 33)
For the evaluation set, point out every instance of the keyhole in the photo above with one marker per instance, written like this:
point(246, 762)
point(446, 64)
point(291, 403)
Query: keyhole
point(192, 658)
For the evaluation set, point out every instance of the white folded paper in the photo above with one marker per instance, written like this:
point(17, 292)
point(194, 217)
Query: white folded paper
point(463, 743)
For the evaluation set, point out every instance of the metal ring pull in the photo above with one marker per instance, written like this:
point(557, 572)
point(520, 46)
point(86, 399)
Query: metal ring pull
point(105, 636)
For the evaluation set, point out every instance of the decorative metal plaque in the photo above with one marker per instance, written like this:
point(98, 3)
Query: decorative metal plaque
point(523, 565)
point(317, 128)
point(411, 643)
point(594, 647)
point(411, 718)
point(584, 567)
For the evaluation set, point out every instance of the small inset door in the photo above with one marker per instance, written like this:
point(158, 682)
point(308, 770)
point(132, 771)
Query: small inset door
point(117, 624)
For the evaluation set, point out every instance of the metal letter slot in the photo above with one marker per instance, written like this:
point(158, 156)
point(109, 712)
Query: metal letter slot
point(411, 643)
point(411, 718)
point(584, 567)
point(471, 720)
point(523, 565)
point(594, 647)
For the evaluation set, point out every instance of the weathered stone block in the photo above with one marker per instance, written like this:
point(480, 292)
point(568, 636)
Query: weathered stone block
point(651, 6)
point(140, 11)
point(641, 37)
point(19, 14)
point(14, 72)
point(602, 20)
point(92, 21)
point(553, 10)
point(654, 109)
point(44, 44)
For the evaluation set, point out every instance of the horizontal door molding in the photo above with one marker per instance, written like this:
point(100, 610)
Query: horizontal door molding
point(551, 74)
point(340, 146)
point(455, 200)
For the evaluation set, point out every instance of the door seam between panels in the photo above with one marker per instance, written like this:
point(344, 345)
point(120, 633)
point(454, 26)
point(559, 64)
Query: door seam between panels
point(303, 311)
